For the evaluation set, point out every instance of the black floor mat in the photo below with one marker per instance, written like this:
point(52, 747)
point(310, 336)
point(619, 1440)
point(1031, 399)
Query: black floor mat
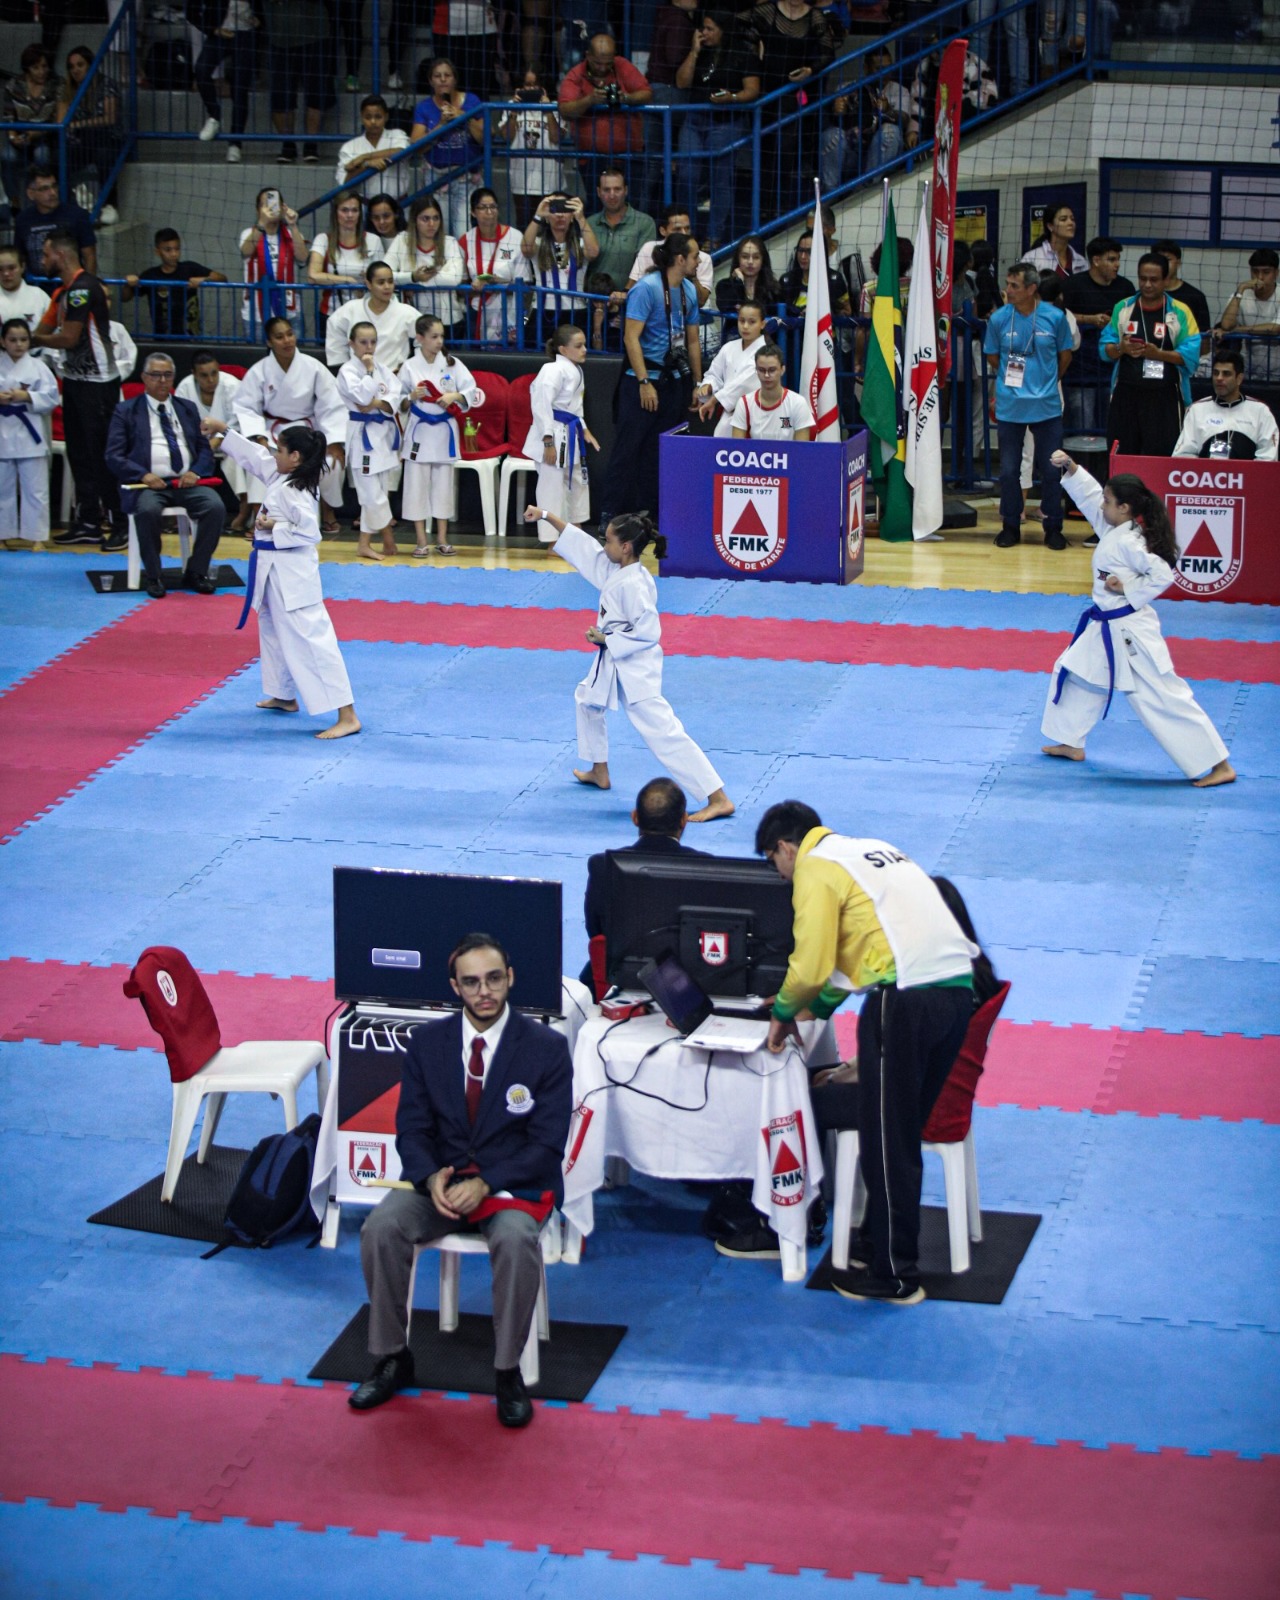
point(198, 1203)
point(1006, 1236)
point(114, 580)
point(462, 1361)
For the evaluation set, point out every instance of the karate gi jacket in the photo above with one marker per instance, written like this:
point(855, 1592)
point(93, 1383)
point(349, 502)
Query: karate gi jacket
point(627, 616)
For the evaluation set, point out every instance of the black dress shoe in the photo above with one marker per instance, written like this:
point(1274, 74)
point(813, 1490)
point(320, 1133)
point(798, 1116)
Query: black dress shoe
point(155, 588)
point(1055, 540)
point(200, 584)
point(515, 1409)
point(391, 1373)
point(1007, 538)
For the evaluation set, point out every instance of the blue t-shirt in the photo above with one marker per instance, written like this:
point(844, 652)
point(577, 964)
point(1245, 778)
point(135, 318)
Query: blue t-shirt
point(647, 304)
point(1036, 339)
point(456, 149)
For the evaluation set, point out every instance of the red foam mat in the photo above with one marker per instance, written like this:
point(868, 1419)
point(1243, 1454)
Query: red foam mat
point(1108, 1521)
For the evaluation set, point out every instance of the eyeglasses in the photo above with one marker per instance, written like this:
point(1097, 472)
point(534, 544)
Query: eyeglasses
point(157, 377)
point(490, 980)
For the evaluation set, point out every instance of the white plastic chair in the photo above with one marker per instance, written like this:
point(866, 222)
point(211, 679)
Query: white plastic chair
point(959, 1174)
point(486, 471)
point(513, 467)
point(272, 1066)
point(452, 1247)
point(182, 524)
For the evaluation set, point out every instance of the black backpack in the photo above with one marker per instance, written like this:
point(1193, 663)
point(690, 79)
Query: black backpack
point(272, 1196)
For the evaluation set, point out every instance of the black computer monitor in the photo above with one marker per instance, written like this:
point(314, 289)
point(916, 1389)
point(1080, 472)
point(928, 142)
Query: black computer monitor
point(393, 932)
point(726, 919)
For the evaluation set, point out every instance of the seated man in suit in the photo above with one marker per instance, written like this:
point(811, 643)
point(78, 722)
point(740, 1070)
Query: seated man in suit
point(661, 814)
point(155, 439)
point(485, 1100)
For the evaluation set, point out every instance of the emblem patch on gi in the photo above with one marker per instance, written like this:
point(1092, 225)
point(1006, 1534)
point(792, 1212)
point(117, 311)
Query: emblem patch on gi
point(519, 1100)
point(713, 948)
point(167, 987)
point(750, 520)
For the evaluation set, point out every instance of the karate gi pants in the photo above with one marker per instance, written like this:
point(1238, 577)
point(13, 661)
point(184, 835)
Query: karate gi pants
point(430, 490)
point(565, 497)
point(1165, 707)
point(405, 1219)
point(908, 1040)
point(25, 479)
point(300, 655)
point(204, 510)
point(659, 727)
point(373, 491)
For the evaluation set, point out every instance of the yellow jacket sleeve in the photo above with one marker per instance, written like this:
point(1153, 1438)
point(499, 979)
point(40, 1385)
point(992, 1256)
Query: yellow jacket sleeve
point(817, 891)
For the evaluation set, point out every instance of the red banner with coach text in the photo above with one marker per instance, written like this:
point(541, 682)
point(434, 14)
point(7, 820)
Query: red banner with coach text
point(946, 160)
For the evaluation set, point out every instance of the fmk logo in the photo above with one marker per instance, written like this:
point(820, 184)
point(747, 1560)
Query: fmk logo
point(1210, 535)
point(749, 520)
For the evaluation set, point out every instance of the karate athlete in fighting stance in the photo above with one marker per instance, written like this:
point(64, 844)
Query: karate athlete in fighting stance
point(628, 667)
point(300, 655)
point(1118, 643)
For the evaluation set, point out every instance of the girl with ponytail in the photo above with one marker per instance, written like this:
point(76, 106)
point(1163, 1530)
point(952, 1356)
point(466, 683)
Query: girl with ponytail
point(627, 671)
point(299, 649)
point(558, 437)
point(1118, 643)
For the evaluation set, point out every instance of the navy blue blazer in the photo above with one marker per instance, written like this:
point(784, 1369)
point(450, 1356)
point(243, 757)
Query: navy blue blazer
point(129, 444)
point(523, 1122)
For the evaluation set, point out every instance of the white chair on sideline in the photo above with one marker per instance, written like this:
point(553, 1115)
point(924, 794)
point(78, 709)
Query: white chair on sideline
point(513, 467)
point(452, 1247)
point(182, 526)
point(959, 1174)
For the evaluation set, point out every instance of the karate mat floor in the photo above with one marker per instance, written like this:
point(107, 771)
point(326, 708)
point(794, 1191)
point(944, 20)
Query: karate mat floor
point(1111, 1429)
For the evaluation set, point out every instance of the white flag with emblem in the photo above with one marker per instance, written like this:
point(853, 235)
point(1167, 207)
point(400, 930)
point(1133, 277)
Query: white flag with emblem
point(920, 398)
point(818, 351)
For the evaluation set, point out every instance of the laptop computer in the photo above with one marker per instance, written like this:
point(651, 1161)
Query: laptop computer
point(690, 1010)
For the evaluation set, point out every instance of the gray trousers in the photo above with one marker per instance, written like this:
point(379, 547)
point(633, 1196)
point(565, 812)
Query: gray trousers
point(405, 1219)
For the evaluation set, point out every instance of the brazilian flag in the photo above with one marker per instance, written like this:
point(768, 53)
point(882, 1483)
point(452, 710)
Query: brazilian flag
point(882, 409)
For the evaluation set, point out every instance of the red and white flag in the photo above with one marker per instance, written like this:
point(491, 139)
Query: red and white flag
point(946, 163)
point(920, 398)
point(818, 351)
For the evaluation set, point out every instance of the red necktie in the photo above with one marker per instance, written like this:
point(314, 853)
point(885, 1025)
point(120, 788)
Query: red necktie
point(475, 1078)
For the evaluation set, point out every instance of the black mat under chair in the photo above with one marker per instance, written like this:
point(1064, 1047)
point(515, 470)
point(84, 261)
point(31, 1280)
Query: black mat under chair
point(1006, 1237)
point(462, 1361)
point(198, 1205)
point(115, 579)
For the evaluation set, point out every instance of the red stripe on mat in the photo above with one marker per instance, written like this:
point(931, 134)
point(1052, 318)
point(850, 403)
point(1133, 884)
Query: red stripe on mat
point(773, 639)
point(1061, 1517)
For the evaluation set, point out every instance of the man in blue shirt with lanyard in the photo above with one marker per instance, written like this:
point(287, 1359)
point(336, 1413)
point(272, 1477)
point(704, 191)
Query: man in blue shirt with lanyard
point(1028, 346)
point(664, 363)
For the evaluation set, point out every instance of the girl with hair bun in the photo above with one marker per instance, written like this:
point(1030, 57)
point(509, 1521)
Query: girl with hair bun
point(558, 438)
point(299, 649)
point(1118, 643)
point(627, 671)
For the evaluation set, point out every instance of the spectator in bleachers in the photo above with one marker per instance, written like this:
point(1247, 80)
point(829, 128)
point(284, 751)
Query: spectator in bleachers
point(1152, 344)
point(231, 30)
point(675, 219)
point(558, 243)
point(212, 392)
point(793, 288)
point(1177, 286)
point(1055, 252)
point(1255, 309)
point(619, 228)
point(457, 152)
point(18, 298)
point(1057, 15)
point(171, 286)
point(272, 249)
point(424, 255)
point(672, 40)
point(386, 219)
point(471, 41)
point(906, 260)
point(31, 95)
point(374, 149)
point(299, 62)
point(751, 277)
point(531, 173)
point(795, 42)
point(596, 97)
point(339, 256)
point(347, 18)
point(93, 135)
point(1016, 54)
point(1091, 297)
point(47, 213)
point(492, 254)
point(722, 73)
point(885, 113)
point(392, 320)
point(1225, 425)
point(123, 350)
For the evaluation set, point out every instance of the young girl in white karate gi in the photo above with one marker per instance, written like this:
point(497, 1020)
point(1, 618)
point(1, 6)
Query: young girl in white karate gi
point(627, 670)
point(732, 373)
point(28, 391)
point(372, 394)
point(300, 655)
point(438, 388)
point(558, 438)
point(1118, 643)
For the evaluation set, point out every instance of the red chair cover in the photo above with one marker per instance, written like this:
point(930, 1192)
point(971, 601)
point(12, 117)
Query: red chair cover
point(491, 417)
point(952, 1114)
point(177, 1007)
point(519, 411)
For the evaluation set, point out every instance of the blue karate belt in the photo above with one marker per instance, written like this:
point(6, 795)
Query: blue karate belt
point(1106, 618)
point(251, 579)
point(577, 436)
point(435, 417)
point(367, 417)
point(24, 416)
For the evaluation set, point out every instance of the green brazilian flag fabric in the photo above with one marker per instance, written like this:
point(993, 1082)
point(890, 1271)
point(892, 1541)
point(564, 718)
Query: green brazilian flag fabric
point(882, 393)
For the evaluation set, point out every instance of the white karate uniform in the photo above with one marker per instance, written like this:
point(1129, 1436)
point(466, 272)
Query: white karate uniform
point(628, 668)
point(222, 409)
point(395, 332)
point(270, 399)
point(371, 471)
point(429, 299)
point(429, 449)
point(732, 375)
point(300, 655)
point(558, 387)
point(24, 461)
point(27, 301)
point(772, 422)
point(1143, 667)
point(494, 316)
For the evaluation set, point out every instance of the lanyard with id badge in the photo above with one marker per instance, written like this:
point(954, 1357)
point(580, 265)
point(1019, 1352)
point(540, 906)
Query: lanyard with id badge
point(1015, 366)
point(1151, 367)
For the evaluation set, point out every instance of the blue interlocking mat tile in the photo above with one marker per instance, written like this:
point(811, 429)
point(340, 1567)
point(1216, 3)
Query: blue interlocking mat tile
point(1212, 995)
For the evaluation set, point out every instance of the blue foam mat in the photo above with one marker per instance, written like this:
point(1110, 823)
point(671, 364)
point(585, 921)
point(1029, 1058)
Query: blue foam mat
point(1212, 996)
